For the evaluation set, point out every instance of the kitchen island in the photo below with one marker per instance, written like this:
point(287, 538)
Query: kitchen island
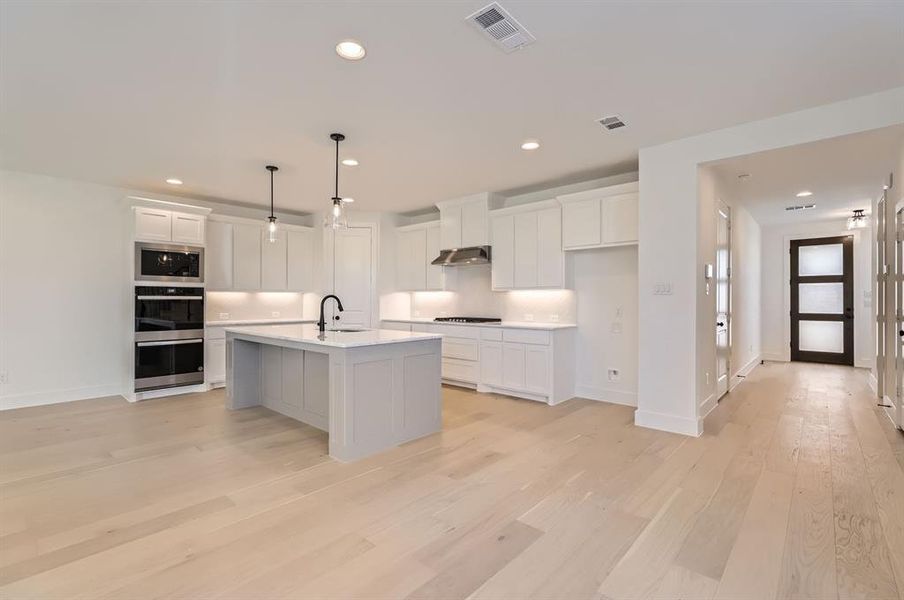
point(370, 390)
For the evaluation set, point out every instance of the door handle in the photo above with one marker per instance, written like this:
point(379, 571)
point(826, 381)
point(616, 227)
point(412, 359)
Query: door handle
point(720, 324)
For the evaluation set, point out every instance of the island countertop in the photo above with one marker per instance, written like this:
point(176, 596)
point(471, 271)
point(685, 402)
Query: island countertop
point(310, 334)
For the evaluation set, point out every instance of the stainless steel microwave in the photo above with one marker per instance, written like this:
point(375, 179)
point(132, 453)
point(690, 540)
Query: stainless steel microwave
point(168, 262)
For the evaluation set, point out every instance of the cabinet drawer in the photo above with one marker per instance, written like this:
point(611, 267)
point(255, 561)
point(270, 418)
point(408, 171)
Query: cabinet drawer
point(459, 331)
point(460, 370)
point(526, 336)
point(456, 347)
point(493, 335)
point(215, 333)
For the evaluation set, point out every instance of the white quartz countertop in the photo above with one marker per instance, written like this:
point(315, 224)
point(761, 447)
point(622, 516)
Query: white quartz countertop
point(503, 324)
point(229, 322)
point(310, 334)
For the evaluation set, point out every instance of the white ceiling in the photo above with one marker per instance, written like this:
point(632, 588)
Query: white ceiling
point(130, 93)
point(844, 173)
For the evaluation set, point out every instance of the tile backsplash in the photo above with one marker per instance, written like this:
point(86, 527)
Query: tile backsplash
point(254, 305)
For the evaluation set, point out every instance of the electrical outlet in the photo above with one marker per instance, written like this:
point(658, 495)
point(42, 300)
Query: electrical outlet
point(614, 375)
point(707, 378)
point(224, 315)
point(528, 317)
point(275, 314)
point(554, 318)
point(618, 312)
point(616, 327)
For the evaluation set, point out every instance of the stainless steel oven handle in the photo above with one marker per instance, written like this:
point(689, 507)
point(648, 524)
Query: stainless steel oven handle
point(169, 297)
point(169, 343)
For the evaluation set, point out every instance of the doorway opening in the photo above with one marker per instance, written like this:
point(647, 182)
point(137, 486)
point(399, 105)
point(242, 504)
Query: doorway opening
point(822, 300)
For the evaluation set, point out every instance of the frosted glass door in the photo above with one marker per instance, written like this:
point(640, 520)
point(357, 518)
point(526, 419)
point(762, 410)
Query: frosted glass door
point(822, 315)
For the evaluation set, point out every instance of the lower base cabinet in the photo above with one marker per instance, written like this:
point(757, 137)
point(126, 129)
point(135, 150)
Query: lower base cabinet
point(526, 363)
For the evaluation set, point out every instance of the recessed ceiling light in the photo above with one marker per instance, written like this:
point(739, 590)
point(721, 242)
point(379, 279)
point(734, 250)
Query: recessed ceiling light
point(174, 181)
point(350, 50)
point(530, 145)
point(350, 162)
point(804, 194)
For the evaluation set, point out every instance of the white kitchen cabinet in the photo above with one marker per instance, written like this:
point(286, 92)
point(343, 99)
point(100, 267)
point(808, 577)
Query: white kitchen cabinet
point(527, 251)
point(550, 259)
point(536, 368)
point(188, 228)
point(528, 363)
point(620, 219)
point(464, 221)
point(273, 262)
point(527, 246)
point(513, 366)
point(436, 279)
point(152, 224)
point(215, 361)
point(299, 260)
point(502, 267)
point(246, 257)
point(218, 256)
point(411, 253)
point(600, 218)
point(491, 363)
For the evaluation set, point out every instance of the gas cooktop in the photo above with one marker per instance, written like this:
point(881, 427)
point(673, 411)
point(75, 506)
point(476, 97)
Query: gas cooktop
point(468, 320)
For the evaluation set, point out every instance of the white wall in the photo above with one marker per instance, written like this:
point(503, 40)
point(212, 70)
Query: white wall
point(669, 228)
point(63, 279)
point(746, 293)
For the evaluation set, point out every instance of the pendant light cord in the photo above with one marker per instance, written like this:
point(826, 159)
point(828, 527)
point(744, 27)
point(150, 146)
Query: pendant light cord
point(336, 196)
point(271, 193)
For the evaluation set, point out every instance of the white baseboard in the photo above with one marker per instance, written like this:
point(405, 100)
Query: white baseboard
point(873, 383)
point(672, 423)
point(606, 395)
point(774, 357)
point(58, 396)
point(708, 405)
point(743, 372)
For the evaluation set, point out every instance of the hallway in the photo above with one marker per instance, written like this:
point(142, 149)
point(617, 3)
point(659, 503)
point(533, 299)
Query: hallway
point(795, 490)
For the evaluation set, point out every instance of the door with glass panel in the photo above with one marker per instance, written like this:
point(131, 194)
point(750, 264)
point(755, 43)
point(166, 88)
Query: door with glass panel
point(822, 300)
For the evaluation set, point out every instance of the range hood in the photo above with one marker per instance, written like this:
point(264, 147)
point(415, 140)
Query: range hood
point(462, 257)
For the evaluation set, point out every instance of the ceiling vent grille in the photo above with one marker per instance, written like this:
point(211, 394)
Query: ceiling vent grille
point(611, 122)
point(801, 207)
point(497, 24)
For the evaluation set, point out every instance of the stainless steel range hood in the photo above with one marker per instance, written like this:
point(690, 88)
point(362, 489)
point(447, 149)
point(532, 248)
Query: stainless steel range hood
point(463, 257)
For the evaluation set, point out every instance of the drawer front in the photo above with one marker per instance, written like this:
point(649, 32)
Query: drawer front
point(526, 336)
point(459, 331)
point(491, 334)
point(460, 370)
point(215, 333)
point(456, 347)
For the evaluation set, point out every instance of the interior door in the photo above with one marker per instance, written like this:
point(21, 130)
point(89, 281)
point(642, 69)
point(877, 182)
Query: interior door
point(352, 277)
point(722, 281)
point(880, 298)
point(822, 300)
point(897, 408)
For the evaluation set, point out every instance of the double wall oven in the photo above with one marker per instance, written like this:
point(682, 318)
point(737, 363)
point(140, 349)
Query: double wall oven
point(169, 336)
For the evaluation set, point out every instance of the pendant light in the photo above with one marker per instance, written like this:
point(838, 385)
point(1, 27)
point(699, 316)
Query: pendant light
point(337, 218)
point(271, 225)
point(858, 221)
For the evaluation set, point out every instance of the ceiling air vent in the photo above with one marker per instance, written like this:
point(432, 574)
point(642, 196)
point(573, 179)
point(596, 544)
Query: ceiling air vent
point(496, 23)
point(801, 207)
point(611, 122)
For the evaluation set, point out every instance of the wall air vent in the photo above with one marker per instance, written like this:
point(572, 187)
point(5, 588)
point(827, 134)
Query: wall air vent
point(611, 122)
point(801, 207)
point(497, 24)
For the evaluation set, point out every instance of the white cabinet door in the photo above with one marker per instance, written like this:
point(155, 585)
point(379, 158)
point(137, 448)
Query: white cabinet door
point(246, 257)
point(503, 257)
point(526, 249)
point(300, 261)
point(536, 369)
point(551, 259)
point(273, 262)
point(620, 219)
point(474, 224)
point(218, 256)
point(435, 278)
point(152, 224)
point(188, 228)
point(513, 366)
point(215, 361)
point(450, 227)
point(581, 223)
point(491, 363)
point(411, 262)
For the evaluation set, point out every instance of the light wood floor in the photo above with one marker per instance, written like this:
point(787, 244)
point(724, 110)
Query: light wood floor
point(795, 491)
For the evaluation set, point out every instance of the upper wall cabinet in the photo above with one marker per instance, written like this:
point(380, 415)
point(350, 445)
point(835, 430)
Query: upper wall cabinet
point(600, 218)
point(160, 225)
point(240, 257)
point(416, 247)
point(527, 247)
point(464, 221)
